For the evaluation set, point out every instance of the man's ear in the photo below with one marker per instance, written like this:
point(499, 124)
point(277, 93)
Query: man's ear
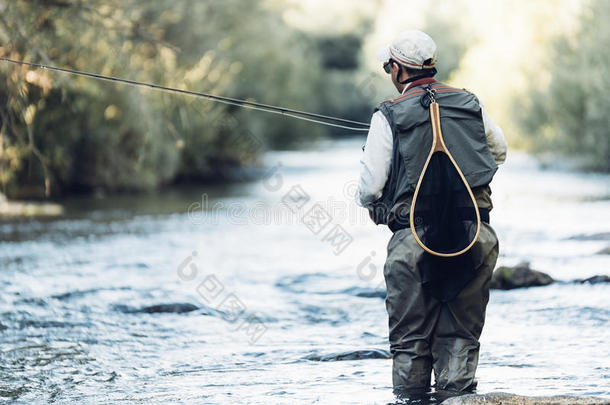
point(398, 70)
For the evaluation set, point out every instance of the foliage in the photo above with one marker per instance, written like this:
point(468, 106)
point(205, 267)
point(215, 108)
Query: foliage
point(571, 115)
point(450, 39)
point(71, 134)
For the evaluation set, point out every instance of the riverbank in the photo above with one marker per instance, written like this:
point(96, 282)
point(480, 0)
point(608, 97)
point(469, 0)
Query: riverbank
point(10, 208)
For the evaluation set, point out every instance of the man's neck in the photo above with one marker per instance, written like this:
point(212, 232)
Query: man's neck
point(419, 82)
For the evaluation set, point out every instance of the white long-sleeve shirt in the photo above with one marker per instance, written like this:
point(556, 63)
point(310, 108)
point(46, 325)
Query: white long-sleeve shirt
point(377, 156)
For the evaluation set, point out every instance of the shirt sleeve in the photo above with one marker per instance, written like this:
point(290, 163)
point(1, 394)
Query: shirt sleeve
point(494, 136)
point(376, 160)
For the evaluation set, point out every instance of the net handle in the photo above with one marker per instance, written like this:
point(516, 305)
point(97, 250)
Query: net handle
point(438, 145)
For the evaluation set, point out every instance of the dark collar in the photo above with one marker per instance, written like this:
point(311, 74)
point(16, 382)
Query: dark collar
point(420, 82)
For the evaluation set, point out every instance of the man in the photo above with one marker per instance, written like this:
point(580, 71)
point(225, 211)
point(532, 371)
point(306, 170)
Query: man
point(430, 327)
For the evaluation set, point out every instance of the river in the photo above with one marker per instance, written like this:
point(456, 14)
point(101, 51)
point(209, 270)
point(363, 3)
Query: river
point(233, 294)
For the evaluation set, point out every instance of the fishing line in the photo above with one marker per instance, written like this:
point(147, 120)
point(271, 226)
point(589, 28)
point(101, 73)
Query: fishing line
point(288, 112)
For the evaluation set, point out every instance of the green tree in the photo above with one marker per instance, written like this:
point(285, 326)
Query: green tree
point(451, 41)
point(571, 116)
point(69, 134)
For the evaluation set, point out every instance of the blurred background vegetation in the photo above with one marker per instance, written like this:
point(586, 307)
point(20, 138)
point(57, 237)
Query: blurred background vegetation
point(63, 134)
point(571, 115)
point(545, 84)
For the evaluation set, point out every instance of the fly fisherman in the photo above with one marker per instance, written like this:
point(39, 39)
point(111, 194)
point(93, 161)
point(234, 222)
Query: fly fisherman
point(437, 326)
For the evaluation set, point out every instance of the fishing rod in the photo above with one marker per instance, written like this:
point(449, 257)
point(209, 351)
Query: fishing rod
point(288, 112)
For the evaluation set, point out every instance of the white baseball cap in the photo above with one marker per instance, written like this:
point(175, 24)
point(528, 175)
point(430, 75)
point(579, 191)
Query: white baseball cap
point(413, 49)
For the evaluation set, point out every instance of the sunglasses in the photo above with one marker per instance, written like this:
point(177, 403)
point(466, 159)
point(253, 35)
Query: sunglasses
point(388, 65)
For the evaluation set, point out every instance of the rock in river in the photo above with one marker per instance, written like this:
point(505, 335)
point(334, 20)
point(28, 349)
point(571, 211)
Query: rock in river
point(594, 280)
point(173, 308)
point(351, 355)
point(507, 278)
point(503, 398)
point(604, 251)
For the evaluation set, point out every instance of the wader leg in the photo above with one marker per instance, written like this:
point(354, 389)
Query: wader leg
point(412, 315)
point(425, 334)
point(455, 340)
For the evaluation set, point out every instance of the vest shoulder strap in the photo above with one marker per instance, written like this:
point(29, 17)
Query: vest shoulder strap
point(416, 91)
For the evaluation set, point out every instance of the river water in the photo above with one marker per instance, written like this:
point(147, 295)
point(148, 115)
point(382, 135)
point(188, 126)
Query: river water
point(233, 294)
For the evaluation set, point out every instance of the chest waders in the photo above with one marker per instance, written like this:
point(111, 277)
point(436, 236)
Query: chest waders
point(437, 272)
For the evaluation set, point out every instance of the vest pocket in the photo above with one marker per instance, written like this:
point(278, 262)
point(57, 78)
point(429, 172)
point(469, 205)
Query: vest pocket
point(414, 147)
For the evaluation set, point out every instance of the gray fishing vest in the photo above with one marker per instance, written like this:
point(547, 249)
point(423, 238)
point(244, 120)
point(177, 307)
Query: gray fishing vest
point(463, 132)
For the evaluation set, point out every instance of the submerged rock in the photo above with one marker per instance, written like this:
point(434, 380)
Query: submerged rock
point(592, 236)
point(604, 251)
point(594, 280)
point(507, 278)
point(351, 355)
point(365, 292)
point(44, 324)
point(496, 398)
point(177, 308)
point(81, 293)
point(173, 308)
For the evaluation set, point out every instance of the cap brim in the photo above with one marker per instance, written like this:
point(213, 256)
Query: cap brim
point(383, 54)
